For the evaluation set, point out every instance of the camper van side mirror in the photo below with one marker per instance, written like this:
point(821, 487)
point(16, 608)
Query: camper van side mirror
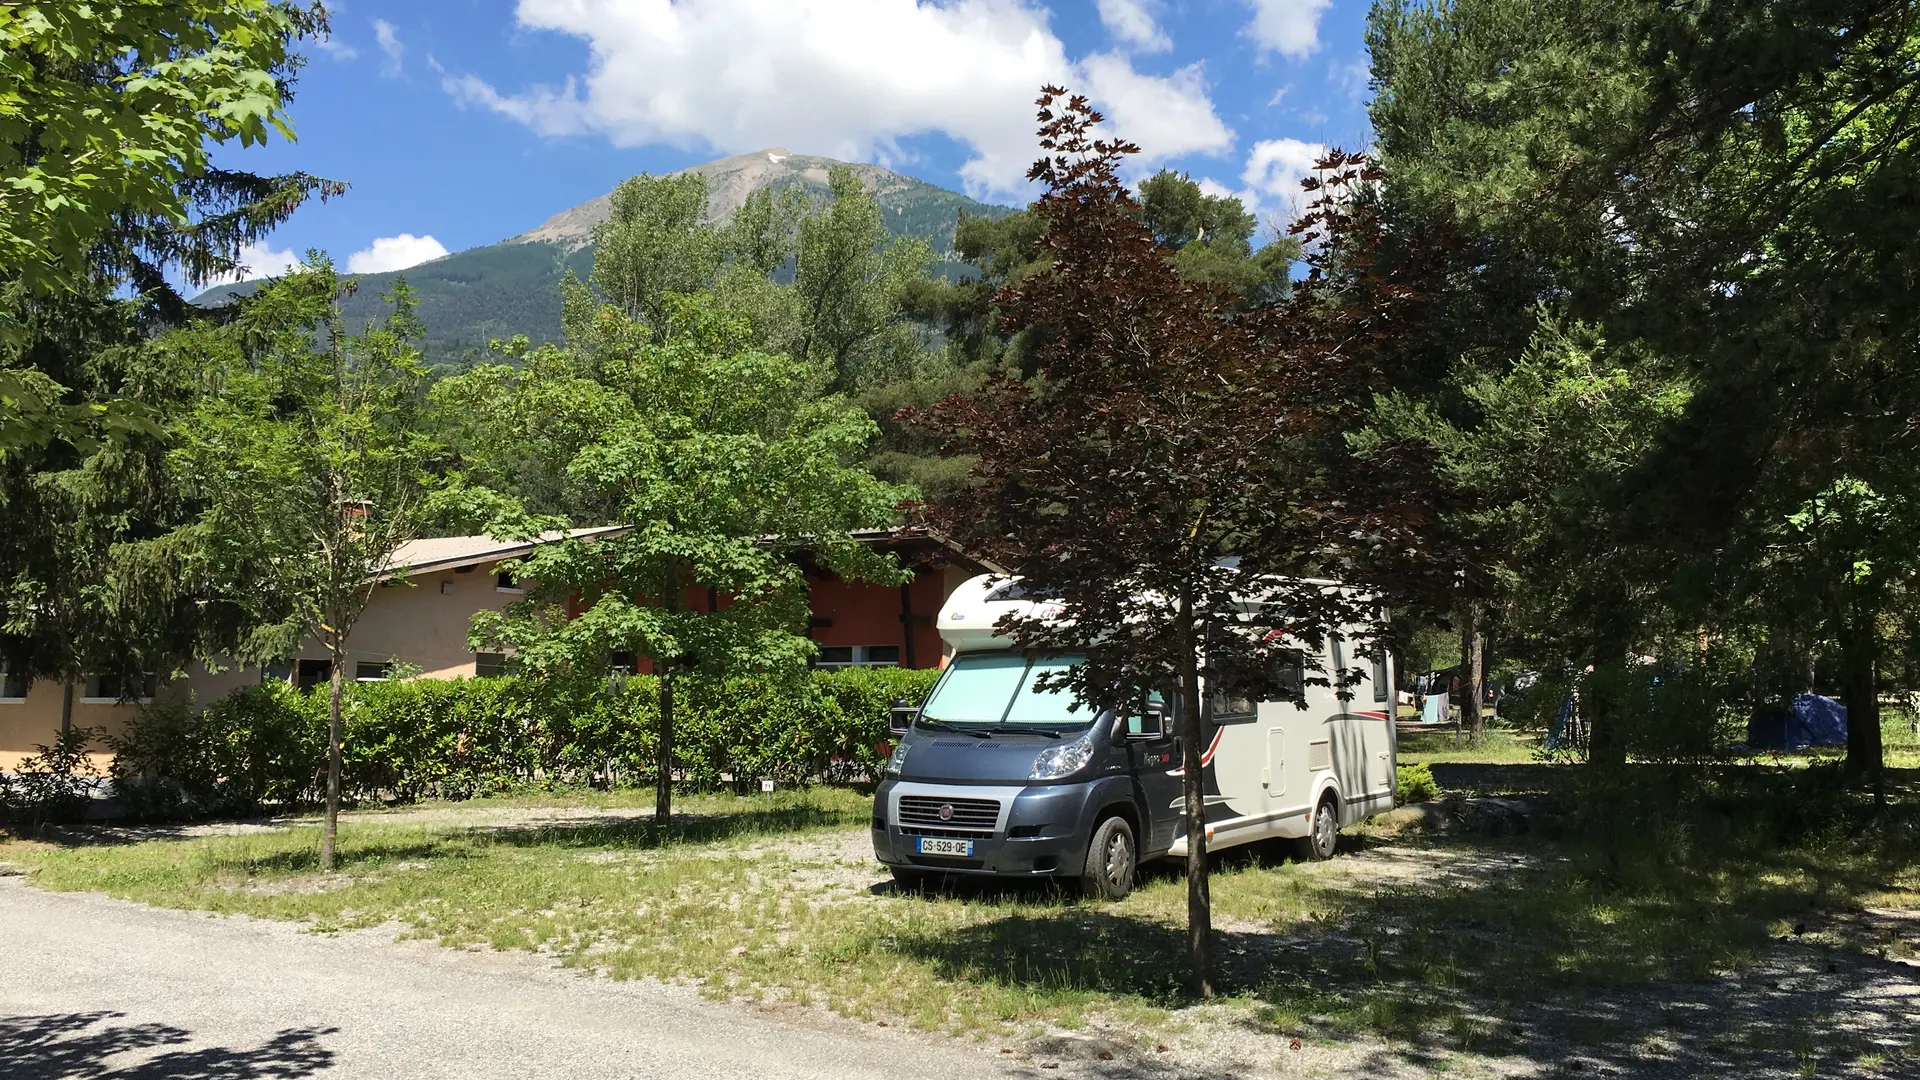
point(1150, 725)
point(900, 717)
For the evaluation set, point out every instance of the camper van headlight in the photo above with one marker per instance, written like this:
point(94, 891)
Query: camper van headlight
point(899, 759)
point(1065, 759)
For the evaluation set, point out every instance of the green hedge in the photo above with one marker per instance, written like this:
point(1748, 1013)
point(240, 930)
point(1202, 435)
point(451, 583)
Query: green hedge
point(265, 746)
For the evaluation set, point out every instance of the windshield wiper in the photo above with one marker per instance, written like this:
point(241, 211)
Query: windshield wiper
point(1013, 730)
point(942, 725)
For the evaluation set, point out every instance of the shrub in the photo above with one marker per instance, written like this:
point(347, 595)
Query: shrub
point(1414, 783)
point(261, 746)
point(266, 746)
point(53, 785)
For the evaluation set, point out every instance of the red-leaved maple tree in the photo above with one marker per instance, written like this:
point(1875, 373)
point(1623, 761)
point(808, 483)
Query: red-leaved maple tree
point(1175, 478)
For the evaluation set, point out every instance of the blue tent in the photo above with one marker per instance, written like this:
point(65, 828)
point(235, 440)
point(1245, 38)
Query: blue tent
point(1811, 721)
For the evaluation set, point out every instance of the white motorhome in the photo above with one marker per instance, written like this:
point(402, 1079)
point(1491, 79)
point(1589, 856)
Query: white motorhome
point(992, 776)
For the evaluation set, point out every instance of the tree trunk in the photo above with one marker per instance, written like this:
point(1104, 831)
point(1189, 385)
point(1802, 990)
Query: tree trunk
point(330, 832)
point(1859, 655)
point(1472, 673)
point(1199, 896)
point(663, 782)
point(66, 708)
point(1601, 704)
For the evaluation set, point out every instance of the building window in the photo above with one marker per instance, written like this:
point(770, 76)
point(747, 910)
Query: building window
point(487, 664)
point(13, 686)
point(858, 656)
point(506, 582)
point(276, 673)
point(373, 671)
point(117, 688)
point(311, 673)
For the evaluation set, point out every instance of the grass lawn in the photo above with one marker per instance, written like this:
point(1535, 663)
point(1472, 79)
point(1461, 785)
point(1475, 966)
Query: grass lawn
point(1496, 746)
point(1442, 946)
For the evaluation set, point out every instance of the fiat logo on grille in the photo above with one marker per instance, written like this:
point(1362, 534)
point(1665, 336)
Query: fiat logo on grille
point(946, 812)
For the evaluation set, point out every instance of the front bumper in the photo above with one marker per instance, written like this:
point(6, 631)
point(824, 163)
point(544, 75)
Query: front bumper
point(1039, 831)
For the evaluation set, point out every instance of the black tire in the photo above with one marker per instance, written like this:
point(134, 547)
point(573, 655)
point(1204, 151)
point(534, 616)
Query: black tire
point(1323, 832)
point(906, 879)
point(1113, 860)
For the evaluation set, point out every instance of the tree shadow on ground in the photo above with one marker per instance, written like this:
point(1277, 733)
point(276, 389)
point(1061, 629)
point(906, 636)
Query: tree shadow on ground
point(1519, 958)
point(642, 833)
point(583, 831)
point(1050, 890)
point(70, 1046)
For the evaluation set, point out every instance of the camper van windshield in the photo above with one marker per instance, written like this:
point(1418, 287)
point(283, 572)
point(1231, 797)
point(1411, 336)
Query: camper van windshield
point(998, 689)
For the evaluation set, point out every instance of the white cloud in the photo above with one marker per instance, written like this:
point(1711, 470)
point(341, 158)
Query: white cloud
point(1288, 27)
point(259, 261)
point(1273, 173)
point(1355, 77)
point(834, 77)
point(1168, 117)
point(336, 48)
point(1210, 186)
point(389, 37)
point(1132, 22)
point(394, 253)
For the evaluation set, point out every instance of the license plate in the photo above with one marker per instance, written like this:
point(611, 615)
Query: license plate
point(941, 845)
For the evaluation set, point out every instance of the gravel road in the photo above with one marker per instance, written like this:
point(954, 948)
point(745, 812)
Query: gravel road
point(99, 988)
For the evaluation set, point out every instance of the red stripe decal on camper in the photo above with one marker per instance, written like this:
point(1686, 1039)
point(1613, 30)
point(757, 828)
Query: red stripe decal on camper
point(1206, 759)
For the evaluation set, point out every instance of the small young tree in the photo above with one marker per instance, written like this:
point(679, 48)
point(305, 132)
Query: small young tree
point(725, 464)
point(1174, 478)
point(309, 458)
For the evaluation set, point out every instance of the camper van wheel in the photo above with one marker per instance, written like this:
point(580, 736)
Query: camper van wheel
point(1324, 835)
point(907, 880)
point(1111, 861)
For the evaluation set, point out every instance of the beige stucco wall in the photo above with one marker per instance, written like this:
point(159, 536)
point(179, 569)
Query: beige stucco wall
point(415, 622)
point(420, 625)
point(35, 720)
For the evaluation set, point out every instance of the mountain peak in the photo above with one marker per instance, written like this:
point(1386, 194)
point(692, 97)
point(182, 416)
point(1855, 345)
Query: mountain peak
point(729, 181)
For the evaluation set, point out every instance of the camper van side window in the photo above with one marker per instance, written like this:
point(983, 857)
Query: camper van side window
point(1381, 691)
point(1291, 673)
point(1232, 706)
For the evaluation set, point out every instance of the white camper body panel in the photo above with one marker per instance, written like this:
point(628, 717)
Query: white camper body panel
point(1273, 770)
point(1267, 772)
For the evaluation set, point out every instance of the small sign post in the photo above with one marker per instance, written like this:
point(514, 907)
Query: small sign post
point(767, 786)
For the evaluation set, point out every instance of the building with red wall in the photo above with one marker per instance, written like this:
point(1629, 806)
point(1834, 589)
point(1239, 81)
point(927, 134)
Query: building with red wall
point(886, 625)
point(858, 624)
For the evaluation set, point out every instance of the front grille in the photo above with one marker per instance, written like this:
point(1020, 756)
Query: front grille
point(957, 834)
point(979, 815)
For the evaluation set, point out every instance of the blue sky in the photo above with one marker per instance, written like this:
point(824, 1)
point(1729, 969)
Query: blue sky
point(462, 122)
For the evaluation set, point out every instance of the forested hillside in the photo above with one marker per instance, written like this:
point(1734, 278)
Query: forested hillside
point(513, 287)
